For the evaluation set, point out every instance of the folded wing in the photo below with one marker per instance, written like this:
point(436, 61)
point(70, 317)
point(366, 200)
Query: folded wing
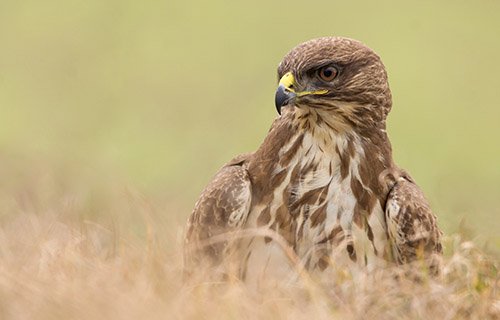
point(412, 227)
point(222, 207)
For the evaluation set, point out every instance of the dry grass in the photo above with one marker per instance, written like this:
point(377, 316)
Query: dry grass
point(58, 261)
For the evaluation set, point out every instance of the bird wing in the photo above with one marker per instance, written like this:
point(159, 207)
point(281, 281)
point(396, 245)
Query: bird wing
point(222, 207)
point(411, 225)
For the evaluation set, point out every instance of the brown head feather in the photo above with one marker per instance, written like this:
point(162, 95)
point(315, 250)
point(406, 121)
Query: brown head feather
point(360, 94)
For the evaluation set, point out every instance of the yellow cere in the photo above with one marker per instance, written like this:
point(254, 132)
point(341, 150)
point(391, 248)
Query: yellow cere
point(288, 81)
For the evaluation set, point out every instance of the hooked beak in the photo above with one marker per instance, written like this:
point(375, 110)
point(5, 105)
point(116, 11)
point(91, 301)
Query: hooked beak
point(286, 91)
point(283, 97)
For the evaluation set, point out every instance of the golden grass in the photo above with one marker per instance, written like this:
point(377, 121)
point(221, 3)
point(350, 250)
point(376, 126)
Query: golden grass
point(123, 84)
point(60, 263)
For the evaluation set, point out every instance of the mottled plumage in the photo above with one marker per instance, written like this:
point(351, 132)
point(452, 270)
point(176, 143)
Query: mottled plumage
point(323, 180)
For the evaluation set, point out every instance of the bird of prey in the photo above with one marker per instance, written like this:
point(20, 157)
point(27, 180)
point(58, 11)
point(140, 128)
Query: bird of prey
point(323, 186)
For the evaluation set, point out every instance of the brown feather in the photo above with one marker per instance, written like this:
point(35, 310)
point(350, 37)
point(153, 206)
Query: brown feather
point(323, 180)
point(412, 225)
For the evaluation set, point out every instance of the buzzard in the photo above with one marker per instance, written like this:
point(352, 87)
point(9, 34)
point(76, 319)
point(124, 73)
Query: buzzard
point(322, 190)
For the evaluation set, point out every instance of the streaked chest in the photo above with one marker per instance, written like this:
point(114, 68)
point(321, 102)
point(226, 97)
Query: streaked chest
point(310, 203)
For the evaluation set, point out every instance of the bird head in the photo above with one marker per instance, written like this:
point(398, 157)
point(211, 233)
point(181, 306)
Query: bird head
point(339, 76)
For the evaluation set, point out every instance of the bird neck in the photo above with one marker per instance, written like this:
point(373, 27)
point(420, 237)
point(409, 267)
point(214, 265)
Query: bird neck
point(305, 135)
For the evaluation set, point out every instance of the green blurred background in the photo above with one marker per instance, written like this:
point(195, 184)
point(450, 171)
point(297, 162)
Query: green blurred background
point(162, 93)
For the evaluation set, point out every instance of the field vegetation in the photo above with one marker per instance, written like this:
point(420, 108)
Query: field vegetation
point(115, 114)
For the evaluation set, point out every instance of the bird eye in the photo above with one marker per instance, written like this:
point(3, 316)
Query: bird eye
point(327, 73)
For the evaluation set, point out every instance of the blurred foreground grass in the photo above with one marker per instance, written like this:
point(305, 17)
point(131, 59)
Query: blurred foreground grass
point(115, 114)
point(59, 262)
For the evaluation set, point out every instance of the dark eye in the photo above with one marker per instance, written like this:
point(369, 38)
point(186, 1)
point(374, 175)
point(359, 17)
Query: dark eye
point(327, 73)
